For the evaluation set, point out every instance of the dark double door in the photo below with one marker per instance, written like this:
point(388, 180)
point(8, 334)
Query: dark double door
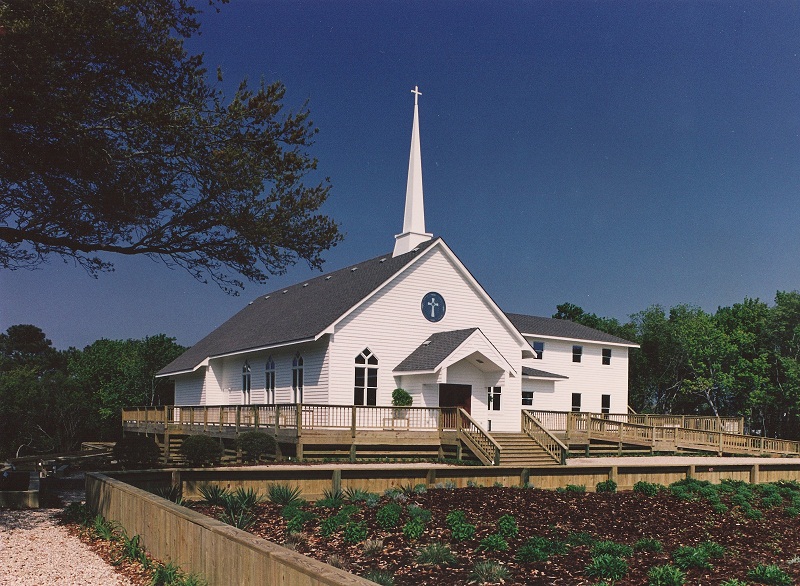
point(455, 396)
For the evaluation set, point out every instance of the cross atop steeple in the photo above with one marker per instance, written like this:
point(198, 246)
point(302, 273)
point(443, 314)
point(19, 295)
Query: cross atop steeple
point(414, 218)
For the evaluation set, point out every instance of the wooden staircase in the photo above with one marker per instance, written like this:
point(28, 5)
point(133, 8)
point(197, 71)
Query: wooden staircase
point(519, 449)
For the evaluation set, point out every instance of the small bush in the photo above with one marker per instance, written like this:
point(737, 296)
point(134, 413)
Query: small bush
point(355, 532)
point(436, 554)
point(413, 530)
point(388, 516)
point(417, 512)
point(578, 488)
point(719, 508)
point(381, 577)
point(136, 451)
point(283, 494)
point(298, 519)
point(665, 576)
point(713, 549)
point(488, 572)
point(791, 512)
point(373, 547)
point(401, 398)
point(165, 574)
point(606, 486)
point(754, 514)
point(611, 548)
point(734, 582)
point(255, 445)
point(213, 494)
point(648, 544)
point(769, 574)
point(494, 542)
point(507, 526)
point(686, 557)
point(199, 450)
point(356, 495)
point(78, 513)
point(538, 549)
point(460, 529)
point(580, 538)
point(647, 488)
point(607, 567)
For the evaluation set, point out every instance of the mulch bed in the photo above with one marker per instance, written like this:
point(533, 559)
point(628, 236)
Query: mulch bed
point(622, 517)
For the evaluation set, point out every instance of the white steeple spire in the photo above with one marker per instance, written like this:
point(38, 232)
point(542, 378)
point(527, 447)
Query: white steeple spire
point(414, 219)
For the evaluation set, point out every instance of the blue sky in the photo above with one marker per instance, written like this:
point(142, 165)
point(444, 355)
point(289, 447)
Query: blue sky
point(610, 154)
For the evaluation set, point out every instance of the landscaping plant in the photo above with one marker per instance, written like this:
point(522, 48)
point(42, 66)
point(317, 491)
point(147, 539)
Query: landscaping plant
point(769, 574)
point(606, 486)
point(199, 450)
point(607, 567)
point(488, 572)
point(255, 444)
point(436, 554)
point(665, 576)
point(283, 494)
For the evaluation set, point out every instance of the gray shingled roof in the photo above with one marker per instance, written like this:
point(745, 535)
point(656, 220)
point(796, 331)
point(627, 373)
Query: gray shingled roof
point(536, 373)
point(561, 328)
point(434, 350)
point(298, 312)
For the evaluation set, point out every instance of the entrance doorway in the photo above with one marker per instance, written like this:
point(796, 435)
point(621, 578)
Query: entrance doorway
point(455, 396)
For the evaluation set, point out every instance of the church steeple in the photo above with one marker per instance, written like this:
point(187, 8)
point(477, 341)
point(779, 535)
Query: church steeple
point(414, 219)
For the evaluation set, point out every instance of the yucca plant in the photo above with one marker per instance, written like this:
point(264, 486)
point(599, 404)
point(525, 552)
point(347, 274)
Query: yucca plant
point(488, 572)
point(607, 567)
point(165, 575)
point(247, 498)
point(612, 548)
point(381, 577)
point(283, 494)
point(436, 554)
point(213, 494)
point(356, 495)
point(172, 493)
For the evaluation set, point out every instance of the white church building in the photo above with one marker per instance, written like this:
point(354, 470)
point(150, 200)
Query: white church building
point(414, 318)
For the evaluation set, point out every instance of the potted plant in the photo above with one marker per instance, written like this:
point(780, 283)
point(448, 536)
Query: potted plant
point(401, 398)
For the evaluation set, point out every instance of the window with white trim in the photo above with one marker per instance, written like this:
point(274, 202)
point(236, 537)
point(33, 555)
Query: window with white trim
point(269, 385)
point(365, 387)
point(606, 356)
point(527, 398)
point(577, 353)
point(605, 403)
point(494, 398)
point(576, 402)
point(246, 383)
point(297, 378)
point(538, 350)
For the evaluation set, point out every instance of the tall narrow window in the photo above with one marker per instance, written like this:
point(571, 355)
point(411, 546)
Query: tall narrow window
point(365, 390)
point(538, 350)
point(577, 352)
point(494, 398)
point(605, 403)
point(606, 356)
point(297, 378)
point(246, 383)
point(269, 385)
point(576, 402)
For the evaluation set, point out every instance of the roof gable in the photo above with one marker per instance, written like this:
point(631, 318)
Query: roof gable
point(442, 349)
point(532, 325)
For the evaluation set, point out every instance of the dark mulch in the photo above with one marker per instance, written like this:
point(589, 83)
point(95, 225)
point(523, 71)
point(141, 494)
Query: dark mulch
point(622, 517)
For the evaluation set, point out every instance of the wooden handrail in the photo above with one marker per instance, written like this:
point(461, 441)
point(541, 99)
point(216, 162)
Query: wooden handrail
point(478, 439)
point(538, 433)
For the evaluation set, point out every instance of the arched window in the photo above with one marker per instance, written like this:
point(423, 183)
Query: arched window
point(246, 383)
point(366, 379)
point(269, 385)
point(297, 378)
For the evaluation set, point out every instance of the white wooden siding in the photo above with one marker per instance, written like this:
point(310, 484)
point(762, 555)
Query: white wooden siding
point(189, 389)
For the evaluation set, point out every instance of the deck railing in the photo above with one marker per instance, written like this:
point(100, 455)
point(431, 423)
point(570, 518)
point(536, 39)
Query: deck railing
point(538, 433)
point(478, 439)
point(566, 421)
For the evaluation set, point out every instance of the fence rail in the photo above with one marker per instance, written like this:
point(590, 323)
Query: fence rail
point(550, 443)
point(566, 421)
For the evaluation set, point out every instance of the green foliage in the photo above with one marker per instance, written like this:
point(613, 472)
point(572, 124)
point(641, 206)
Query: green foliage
point(165, 575)
point(686, 557)
point(648, 544)
point(507, 526)
point(372, 547)
point(436, 554)
point(255, 444)
point(769, 574)
point(417, 512)
point(213, 494)
point(459, 528)
point(283, 494)
point(199, 450)
point(665, 576)
point(607, 567)
point(791, 512)
point(488, 572)
point(611, 548)
point(493, 542)
point(356, 495)
point(297, 519)
point(171, 493)
point(78, 513)
point(382, 577)
point(104, 529)
point(238, 508)
point(332, 524)
point(538, 549)
point(576, 488)
point(733, 582)
point(580, 538)
point(401, 398)
point(388, 516)
point(355, 532)
point(647, 488)
point(606, 486)
point(413, 529)
point(132, 550)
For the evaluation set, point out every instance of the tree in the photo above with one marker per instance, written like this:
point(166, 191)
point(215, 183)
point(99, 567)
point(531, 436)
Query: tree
point(113, 140)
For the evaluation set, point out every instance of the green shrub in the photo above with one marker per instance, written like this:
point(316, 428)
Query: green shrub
point(78, 513)
point(213, 494)
point(607, 567)
point(136, 451)
point(298, 519)
point(573, 488)
point(733, 582)
point(417, 512)
point(713, 549)
point(791, 511)
point(754, 514)
point(719, 508)
point(165, 574)
point(455, 517)
point(283, 494)
point(401, 398)
point(648, 544)
point(611, 548)
point(686, 557)
point(538, 549)
point(255, 444)
point(460, 529)
point(199, 450)
point(665, 576)
point(414, 529)
point(388, 516)
point(493, 542)
point(647, 488)
point(769, 574)
point(381, 577)
point(356, 495)
point(580, 538)
point(606, 486)
point(507, 526)
point(772, 500)
point(355, 532)
point(104, 529)
point(488, 572)
point(436, 554)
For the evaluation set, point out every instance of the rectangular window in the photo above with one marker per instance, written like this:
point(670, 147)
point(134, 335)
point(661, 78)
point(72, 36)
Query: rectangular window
point(606, 356)
point(494, 398)
point(576, 402)
point(270, 398)
point(605, 403)
point(577, 352)
point(538, 350)
point(366, 386)
point(527, 398)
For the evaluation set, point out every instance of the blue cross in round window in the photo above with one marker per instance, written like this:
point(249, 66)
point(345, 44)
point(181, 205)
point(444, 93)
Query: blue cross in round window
point(433, 306)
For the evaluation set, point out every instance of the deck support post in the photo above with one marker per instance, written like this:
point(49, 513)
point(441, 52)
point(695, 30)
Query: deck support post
point(175, 480)
point(755, 474)
point(336, 481)
point(166, 445)
point(353, 451)
point(431, 477)
point(613, 474)
point(524, 477)
point(690, 472)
